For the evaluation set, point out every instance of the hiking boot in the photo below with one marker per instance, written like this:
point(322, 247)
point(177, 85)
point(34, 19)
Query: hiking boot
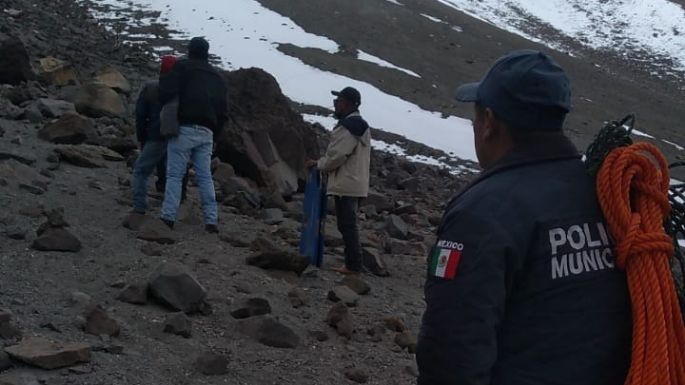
point(212, 229)
point(169, 223)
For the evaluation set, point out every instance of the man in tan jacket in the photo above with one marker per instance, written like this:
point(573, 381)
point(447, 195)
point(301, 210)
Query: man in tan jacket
point(346, 163)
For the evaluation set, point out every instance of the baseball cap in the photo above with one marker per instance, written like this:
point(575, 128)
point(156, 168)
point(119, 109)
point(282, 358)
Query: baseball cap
point(350, 94)
point(525, 88)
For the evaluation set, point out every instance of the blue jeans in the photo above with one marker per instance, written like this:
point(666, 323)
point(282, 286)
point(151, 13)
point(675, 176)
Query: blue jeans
point(192, 143)
point(153, 152)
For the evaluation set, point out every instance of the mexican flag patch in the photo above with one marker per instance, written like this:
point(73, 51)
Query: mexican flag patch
point(444, 262)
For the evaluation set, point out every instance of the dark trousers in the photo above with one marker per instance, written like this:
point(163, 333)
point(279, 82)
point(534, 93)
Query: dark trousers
point(346, 212)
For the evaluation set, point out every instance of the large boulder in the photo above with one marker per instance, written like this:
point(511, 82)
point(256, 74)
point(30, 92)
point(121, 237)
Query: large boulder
point(52, 108)
point(112, 78)
point(175, 286)
point(15, 66)
point(69, 129)
point(56, 71)
point(97, 100)
point(265, 140)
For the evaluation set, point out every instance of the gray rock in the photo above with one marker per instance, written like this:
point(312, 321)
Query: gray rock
point(340, 318)
point(396, 227)
point(51, 108)
point(297, 297)
point(381, 201)
point(35, 190)
point(135, 293)
point(21, 157)
point(151, 249)
point(5, 361)
point(156, 231)
point(16, 232)
point(270, 332)
point(70, 128)
point(394, 324)
point(250, 307)
point(357, 375)
point(96, 100)
point(57, 239)
point(98, 323)
point(212, 364)
point(279, 260)
point(372, 261)
point(272, 216)
point(410, 184)
point(133, 221)
point(356, 284)
point(88, 156)
point(178, 324)
point(406, 340)
point(15, 64)
point(173, 285)
point(343, 294)
point(49, 354)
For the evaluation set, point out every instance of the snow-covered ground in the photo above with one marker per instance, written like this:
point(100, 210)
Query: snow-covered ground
point(374, 59)
point(626, 26)
point(245, 34)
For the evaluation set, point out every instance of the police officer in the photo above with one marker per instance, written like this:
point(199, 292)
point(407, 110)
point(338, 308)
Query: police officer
point(521, 285)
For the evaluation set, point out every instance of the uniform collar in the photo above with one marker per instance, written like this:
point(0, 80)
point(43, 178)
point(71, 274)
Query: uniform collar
point(537, 148)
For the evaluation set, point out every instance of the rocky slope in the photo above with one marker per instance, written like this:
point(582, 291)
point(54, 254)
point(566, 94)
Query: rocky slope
point(92, 295)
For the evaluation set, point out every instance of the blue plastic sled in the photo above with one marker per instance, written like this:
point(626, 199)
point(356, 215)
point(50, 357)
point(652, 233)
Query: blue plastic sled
point(312, 238)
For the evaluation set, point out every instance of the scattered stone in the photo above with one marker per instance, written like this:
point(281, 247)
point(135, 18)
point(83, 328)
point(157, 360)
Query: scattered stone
point(270, 332)
point(96, 100)
point(17, 140)
point(410, 184)
point(49, 354)
point(332, 236)
point(279, 260)
point(190, 214)
point(287, 276)
point(234, 240)
point(50, 326)
point(81, 299)
point(70, 128)
point(7, 330)
point(356, 284)
point(51, 108)
point(178, 324)
point(261, 244)
point(15, 65)
point(394, 324)
point(251, 307)
point(376, 333)
point(297, 297)
point(5, 362)
point(21, 157)
point(112, 78)
point(98, 322)
point(340, 318)
point(272, 216)
point(135, 293)
point(357, 375)
point(116, 144)
point(81, 370)
point(212, 364)
point(57, 239)
point(33, 114)
point(151, 249)
point(16, 232)
point(56, 71)
point(319, 335)
point(396, 227)
point(95, 185)
point(381, 201)
point(173, 285)
point(405, 209)
point(343, 294)
point(223, 172)
point(406, 340)
point(86, 155)
point(35, 190)
point(133, 221)
point(372, 261)
point(156, 231)
point(20, 378)
point(47, 173)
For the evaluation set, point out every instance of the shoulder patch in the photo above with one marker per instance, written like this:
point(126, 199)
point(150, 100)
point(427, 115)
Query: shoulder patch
point(445, 258)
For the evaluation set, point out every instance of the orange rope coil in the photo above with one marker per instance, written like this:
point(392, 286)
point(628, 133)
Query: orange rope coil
point(632, 186)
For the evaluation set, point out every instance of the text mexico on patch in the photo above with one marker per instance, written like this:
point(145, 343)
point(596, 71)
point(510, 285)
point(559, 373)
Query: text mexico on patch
point(445, 259)
point(579, 249)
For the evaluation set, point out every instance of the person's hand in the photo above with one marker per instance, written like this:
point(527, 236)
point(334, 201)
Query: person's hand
point(309, 163)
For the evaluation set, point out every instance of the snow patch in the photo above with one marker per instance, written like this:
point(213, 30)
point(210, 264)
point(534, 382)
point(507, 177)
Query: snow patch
point(361, 55)
point(676, 145)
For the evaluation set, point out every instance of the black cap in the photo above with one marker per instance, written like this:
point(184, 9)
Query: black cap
point(525, 88)
point(350, 94)
point(198, 47)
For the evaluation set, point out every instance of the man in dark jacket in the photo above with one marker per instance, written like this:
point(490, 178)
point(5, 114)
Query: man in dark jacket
point(152, 143)
point(521, 286)
point(202, 109)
